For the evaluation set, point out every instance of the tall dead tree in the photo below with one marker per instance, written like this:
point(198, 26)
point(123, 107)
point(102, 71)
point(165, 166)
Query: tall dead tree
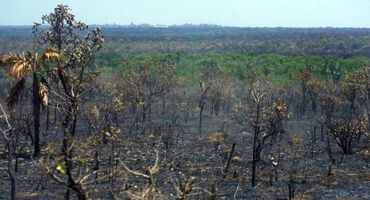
point(67, 35)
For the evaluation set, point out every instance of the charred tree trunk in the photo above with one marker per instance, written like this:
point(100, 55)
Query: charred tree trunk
point(10, 170)
point(228, 164)
point(47, 118)
point(201, 109)
point(255, 145)
point(36, 115)
point(313, 104)
point(143, 113)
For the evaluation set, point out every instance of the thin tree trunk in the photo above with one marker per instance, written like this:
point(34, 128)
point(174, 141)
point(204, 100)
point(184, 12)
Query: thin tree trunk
point(10, 170)
point(201, 109)
point(228, 164)
point(200, 121)
point(12, 179)
point(82, 196)
point(143, 113)
point(256, 132)
point(36, 115)
point(47, 118)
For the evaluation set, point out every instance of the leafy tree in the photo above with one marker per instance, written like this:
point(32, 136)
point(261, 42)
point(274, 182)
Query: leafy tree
point(207, 80)
point(314, 88)
point(303, 78)
point(357, 89)
point(145, 80)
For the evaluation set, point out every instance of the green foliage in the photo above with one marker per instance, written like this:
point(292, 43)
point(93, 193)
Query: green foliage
point(280, 69)
point(109, 59)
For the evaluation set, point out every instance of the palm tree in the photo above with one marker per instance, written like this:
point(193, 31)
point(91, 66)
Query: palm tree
point(19, 67)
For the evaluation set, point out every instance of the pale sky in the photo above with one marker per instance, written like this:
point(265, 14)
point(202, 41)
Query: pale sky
point(244, 13)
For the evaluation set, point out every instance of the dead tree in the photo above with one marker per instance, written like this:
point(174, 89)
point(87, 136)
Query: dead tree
point(258, 94)
point(64, 34)
point(206, 80)
point(6, 138)
point(266, 120)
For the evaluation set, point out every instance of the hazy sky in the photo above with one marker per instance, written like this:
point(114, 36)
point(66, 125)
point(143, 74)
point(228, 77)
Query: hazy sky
point(251, 13)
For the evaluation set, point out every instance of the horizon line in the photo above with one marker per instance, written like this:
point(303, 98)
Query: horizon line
point(204, 25)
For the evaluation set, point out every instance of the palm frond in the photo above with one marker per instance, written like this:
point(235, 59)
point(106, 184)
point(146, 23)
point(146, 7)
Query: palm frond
point(19, 65)
point(51, 54)
point(44, 93)
point(20, 68)
point(15, 92)
point(9, 59)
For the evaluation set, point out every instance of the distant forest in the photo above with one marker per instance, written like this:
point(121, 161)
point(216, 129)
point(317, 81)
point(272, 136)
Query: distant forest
point(338, 42)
